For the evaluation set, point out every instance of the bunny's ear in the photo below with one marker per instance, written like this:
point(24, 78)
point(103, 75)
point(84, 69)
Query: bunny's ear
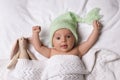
point(13, 61)
point(15, 49)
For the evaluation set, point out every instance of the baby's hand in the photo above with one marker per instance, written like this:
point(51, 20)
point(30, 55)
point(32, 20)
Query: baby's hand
point(36, 29)
point(97, 25)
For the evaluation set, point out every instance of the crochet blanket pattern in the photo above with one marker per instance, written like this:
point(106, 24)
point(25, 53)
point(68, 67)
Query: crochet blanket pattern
point(101, 64)
point(64, 67)
point(58, 67)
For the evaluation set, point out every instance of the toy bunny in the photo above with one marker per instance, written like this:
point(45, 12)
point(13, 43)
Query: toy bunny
point(20, 51)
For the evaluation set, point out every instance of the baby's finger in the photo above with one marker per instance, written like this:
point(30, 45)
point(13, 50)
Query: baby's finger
point(99, 25)
point(36, 28)
point(95, 23)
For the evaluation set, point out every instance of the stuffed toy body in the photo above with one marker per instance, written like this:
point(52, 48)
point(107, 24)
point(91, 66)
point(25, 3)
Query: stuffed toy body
point(20, 51)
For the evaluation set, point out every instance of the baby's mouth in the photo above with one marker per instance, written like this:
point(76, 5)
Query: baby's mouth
point(64, 46)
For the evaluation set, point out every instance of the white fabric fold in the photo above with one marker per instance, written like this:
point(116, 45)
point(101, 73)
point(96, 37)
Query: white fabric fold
point(89, 59)
point(102, 64)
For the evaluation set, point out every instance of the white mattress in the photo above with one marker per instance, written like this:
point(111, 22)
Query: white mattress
point(18, 16)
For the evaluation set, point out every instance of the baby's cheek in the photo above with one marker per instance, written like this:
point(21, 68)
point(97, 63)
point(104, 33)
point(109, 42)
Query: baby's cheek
point(55, 43)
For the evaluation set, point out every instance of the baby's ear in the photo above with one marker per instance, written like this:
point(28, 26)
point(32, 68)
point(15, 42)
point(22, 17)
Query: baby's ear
point(15, 49)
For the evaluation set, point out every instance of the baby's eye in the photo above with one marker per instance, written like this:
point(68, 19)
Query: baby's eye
point(68, 36)
point(58, 38)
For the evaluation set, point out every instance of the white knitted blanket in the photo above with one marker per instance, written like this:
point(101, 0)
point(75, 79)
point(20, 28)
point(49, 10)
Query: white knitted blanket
point(64, 67)
point(102, 65)
point(26, 70)
point(58, 67)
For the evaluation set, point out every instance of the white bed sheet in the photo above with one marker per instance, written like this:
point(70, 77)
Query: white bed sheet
point(18, 16)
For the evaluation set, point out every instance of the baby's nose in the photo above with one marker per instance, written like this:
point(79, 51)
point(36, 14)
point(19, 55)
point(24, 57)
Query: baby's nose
point(63, 39)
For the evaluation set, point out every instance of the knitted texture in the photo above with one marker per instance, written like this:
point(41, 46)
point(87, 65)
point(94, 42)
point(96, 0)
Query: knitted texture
point(28, 70)
point(58, 67)
point(91, 16)
point(64, 67)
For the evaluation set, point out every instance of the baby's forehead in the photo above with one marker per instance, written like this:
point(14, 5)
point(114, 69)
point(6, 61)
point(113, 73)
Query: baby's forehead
point(62, 31)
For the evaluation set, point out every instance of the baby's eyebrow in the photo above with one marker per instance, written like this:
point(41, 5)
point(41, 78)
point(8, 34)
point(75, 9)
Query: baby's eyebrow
point(69, 34)
point(56, 34)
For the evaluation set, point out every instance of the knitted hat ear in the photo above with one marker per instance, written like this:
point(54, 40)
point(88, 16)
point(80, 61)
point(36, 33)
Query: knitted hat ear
point(91, 16)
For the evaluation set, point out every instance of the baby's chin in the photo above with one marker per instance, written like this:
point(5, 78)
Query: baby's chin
point(65, 50)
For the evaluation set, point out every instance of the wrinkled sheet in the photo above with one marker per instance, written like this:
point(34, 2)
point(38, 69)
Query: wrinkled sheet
point(102, 65)
point(18, 17)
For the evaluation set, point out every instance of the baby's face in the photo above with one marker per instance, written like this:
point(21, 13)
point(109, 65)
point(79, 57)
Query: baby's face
point(63, 40)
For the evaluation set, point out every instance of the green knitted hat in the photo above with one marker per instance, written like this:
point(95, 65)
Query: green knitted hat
point(70, 21)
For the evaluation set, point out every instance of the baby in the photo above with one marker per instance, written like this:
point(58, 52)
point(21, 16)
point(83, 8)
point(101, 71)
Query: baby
point(64, 40)
point(64, 56)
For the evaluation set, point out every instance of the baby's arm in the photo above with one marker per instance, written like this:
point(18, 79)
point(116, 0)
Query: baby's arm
point(37, 43)
point(85, 46)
